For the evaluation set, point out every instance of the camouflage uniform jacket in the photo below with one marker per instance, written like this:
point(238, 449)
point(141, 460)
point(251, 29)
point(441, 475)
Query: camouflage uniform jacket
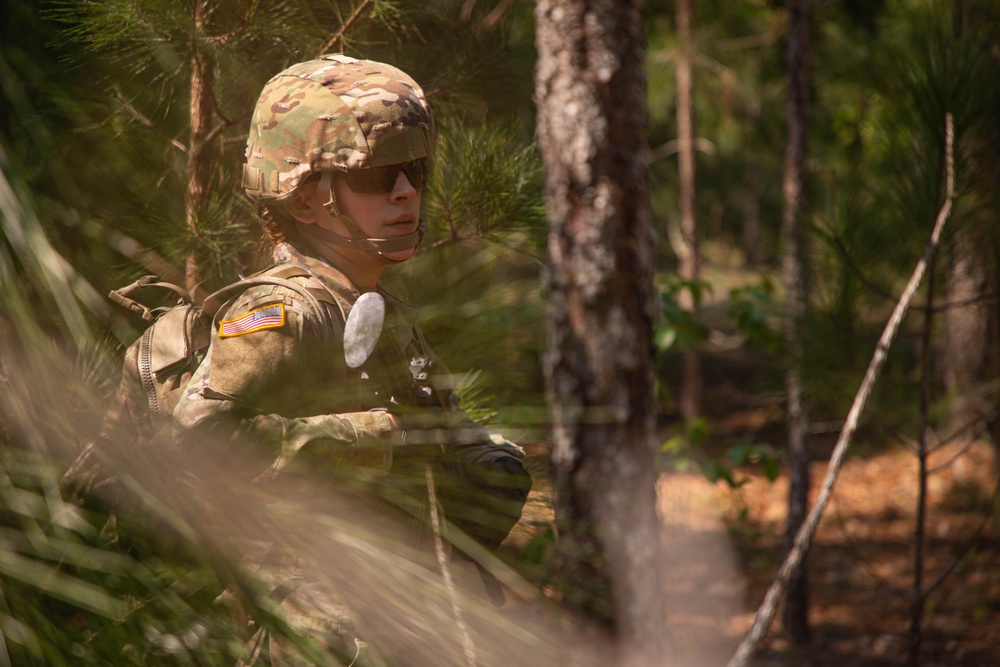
point(281, 382)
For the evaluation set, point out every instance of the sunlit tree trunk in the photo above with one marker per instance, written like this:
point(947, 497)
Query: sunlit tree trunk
point(688, 264)
point(601, 308)
point(796, 611)
point(199, 162)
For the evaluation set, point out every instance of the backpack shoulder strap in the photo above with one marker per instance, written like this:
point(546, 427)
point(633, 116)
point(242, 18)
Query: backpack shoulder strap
point(281, 275)
point(121, 296)
point(316, 287)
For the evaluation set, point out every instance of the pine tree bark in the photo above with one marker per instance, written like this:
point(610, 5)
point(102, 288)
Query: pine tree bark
point(795, 615)
point(972, 324)
point(199, 162)
point(688, 264)
point(971, 349)
point(601, 308)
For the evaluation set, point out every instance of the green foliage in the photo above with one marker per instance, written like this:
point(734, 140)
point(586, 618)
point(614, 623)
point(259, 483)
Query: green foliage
point(537, 548)
point(686, 450)
point(484, 185)
point(678, 328)
point(72, 592)
point(765, 456)
point(71, 596)
point(473, 59)
point(738, 82)
point(476, 273)
point(474, 400)
point(751, 308)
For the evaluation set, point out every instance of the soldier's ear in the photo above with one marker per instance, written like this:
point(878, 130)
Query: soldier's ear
point(301, 204)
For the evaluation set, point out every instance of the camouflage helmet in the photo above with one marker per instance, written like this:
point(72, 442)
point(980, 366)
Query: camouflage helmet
point(333, 113)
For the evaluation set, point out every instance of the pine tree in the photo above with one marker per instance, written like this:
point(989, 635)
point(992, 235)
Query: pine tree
point(601, 300)
point(795, 272)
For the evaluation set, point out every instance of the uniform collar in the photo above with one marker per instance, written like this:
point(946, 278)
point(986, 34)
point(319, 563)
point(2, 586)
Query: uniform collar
point(401, 317)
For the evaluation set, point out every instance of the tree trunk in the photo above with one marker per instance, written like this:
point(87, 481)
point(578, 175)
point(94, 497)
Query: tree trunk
point(688, 261)
point(971, 350)
point(199, 164)
point(923, 452)
point(751, 199)
point(751, 218)
point(601, 309)
point(796, 611)
point(971, 331)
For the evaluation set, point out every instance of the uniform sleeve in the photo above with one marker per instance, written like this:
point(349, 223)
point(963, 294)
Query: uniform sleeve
point(267, 388)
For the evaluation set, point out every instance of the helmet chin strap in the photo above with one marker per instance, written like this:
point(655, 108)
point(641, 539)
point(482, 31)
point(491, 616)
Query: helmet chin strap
point(372, 246)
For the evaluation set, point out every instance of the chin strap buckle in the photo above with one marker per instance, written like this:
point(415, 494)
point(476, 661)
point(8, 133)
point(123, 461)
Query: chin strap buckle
point(326, 183)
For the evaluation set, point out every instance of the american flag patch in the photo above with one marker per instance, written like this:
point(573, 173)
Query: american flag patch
point(268, 317)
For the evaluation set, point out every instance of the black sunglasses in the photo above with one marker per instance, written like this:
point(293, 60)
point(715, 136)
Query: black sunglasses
point(378, 180)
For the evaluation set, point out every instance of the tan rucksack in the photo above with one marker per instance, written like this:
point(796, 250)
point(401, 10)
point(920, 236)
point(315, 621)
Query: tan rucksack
point(158, 365)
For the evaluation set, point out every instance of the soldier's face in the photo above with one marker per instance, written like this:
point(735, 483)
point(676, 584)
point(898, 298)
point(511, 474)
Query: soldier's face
point(382, 215)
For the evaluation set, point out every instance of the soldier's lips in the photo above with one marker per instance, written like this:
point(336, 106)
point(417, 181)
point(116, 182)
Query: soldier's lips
point(402, 226)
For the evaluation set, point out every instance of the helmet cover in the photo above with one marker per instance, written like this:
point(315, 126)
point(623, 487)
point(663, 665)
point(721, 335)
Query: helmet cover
point(333, 113)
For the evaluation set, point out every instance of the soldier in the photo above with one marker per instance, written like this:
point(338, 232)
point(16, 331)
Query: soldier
point(336, 161)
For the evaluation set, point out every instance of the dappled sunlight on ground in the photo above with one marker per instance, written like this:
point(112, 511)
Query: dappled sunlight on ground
point(724, 548)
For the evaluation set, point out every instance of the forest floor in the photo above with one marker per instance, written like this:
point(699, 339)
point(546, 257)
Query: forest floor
point(725, 546)
point(861, 568)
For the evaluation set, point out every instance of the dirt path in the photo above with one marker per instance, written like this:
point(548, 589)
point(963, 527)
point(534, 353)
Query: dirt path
point(706, 589)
